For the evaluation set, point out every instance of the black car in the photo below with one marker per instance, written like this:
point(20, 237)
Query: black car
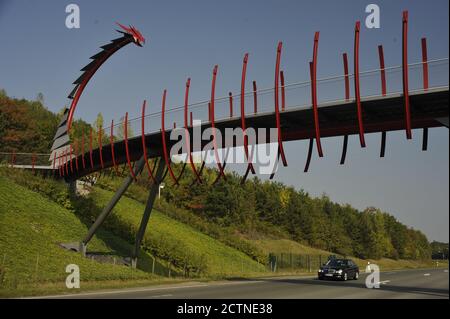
point(342, 269)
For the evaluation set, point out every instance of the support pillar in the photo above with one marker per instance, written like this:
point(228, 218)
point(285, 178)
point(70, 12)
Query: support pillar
point(112, 203)
point(73, 187)
point(82, 249)
point(147, 211)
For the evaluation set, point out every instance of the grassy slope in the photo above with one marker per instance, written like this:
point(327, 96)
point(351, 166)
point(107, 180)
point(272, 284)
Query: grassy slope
point(289, 246)
point(31, 226)
point(220, 259)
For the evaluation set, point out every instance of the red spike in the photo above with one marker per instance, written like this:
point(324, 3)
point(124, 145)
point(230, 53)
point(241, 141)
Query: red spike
point(187, 137)
point(357, 88)
point(144, 147)
point(405, 75)
point(127, 153)
point(163, 136)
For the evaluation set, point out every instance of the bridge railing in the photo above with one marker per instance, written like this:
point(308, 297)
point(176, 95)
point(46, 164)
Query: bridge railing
point(296, 95)
point(292, 96)
point(25, 160)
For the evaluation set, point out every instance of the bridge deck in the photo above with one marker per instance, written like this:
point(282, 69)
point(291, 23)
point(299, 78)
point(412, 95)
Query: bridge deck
point(381, 113)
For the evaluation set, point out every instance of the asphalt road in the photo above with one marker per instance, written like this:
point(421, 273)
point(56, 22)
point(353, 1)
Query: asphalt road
point(424, 283)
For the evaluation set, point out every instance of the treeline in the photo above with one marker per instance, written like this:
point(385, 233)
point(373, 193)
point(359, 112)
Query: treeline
point(29, 127)
point(439, 250)
point(26, 126)
point(255, 209)
point(256, 206)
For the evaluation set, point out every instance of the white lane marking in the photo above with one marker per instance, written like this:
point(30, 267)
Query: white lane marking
point(384, 282)
point(427, 274)
point(237, 283)
point(159, 296)
point(445, 270)
point(100, 293)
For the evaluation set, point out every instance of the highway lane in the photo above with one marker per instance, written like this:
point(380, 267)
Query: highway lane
point(428, 283)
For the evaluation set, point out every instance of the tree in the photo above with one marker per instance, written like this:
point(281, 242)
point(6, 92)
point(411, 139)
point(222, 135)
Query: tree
point(98, 122)
point(40, 98)
point(121, 129)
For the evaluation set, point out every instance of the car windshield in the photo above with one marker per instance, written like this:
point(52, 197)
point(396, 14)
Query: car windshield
point(336, 262)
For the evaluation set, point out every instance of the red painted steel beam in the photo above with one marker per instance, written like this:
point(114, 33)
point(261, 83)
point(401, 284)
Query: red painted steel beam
point(127, 152)
point(277, 108)
point(255, 98)
point(279, 74)
point(346, 77)
point(163, 136)
point(308, 159)
point(357, 87)
point(144, 147)
point(382, 70)
point(230, 98)
point(111, 141)
point(209, 111)
point(187, 135)
point(383, 144)
point(311, 140)
point(314, 94)
point(283, 93)
point(425, 87)
point(344, 150)
point(243, 126)
point(347, 98)
point(213, 93)
point(383, 92)
point(425, 63)
point(104, 55)
point(100, 129)
point(405, 75)
point(425, 139)
point(90, 149)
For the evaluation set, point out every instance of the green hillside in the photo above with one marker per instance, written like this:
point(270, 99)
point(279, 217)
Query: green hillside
point(287, 247)
point(31, 226)
point(170, 239)
point(37, 217)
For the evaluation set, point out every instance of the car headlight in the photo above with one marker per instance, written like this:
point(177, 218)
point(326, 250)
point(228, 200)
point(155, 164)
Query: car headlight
point(320, 270)
point(339, 271)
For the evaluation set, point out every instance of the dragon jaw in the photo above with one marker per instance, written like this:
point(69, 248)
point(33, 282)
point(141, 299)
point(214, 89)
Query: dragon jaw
point(137, 36)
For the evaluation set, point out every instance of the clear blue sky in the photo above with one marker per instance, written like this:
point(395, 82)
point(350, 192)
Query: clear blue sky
point(186, 38)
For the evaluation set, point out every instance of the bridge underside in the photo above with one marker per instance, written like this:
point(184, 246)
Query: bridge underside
point(336, 119)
